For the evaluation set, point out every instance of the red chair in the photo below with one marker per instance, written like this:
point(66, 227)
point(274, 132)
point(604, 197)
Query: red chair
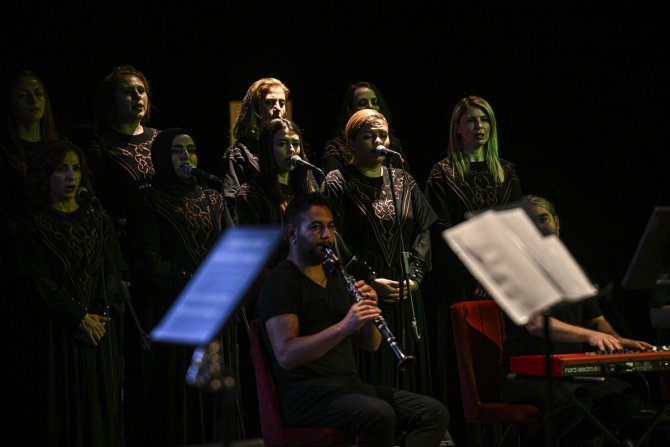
point(479, 330)
point(275, 434)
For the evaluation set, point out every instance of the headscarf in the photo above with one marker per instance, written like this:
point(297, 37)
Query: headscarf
point(166, 179)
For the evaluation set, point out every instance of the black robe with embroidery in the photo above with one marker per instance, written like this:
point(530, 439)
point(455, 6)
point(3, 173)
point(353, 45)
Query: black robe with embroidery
point(74, 387)
point(240, 165)
point(449, 281)
point(121, 168)
point(255, 205)
point(364, 215)
point(169, 236)
point(452, 198)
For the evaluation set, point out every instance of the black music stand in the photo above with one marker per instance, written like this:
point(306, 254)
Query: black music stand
point(652, 257)
point(650, 268)
point(208, 302)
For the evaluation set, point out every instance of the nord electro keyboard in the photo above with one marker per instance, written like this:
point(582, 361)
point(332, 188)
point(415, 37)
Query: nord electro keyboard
point(593, 363)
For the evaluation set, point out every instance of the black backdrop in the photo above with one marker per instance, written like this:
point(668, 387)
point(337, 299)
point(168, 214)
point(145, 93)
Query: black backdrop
point(579, 92)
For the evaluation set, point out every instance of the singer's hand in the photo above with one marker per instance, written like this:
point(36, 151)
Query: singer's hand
point(413, 285)
point(92, 328)
point(388, 290)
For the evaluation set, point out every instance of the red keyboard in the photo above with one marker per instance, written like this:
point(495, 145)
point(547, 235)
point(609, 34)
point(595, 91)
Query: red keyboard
point(593, 363)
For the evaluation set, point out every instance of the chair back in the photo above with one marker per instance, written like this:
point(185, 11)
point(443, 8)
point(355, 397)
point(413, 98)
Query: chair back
point(273, 430)
point(479, 332)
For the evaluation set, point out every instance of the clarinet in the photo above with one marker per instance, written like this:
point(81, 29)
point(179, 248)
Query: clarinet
point(404, 361)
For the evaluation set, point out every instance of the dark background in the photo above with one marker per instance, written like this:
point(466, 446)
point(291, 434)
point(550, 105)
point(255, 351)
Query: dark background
point(579, 92)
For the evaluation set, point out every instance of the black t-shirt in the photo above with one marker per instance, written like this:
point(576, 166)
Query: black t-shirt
point(287, 290)
point(521, 342)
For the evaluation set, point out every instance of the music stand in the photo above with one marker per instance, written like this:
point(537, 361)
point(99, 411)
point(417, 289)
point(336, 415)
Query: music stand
point(217, 288)
point(526, 273)
point(650, 267)
point(210, 298)
point(652, 256)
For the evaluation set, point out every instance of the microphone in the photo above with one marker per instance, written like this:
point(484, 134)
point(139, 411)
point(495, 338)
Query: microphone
point(297, 161)
point(85, 198)
point(192, 170)
point(381, 150)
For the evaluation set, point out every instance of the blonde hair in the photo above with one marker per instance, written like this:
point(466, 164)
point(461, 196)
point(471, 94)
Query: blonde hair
point(455, 151)
point(360, 119)
point(356, 123)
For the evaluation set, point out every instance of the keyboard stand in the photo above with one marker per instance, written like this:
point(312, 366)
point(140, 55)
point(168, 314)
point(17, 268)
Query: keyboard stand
point(657, 419)
point(607, 432)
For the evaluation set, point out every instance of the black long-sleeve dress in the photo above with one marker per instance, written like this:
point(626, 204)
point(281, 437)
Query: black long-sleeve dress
point(364, 214)
point(449, 280)
point(452, 199)
point(76, 386)
point(169, 236)
point(240, 165)
point(121, 168)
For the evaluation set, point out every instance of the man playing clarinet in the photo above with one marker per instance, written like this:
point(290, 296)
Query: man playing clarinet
point(311, 325)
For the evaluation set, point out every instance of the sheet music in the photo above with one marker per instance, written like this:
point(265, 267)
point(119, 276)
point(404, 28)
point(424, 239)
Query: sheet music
point(212, 296)
point(524, 271)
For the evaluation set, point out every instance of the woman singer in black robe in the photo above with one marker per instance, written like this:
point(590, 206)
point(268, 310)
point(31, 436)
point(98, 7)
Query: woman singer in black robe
point(169, 237)
point(69, 258)
point(365, 202)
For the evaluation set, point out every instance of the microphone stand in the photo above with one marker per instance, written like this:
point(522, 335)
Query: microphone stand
point(404, 267)
point(231, 344)
point(145, 341)
point(318, 183)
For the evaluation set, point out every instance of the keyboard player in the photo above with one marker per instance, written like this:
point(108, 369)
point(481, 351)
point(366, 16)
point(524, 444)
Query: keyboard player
point(573, 327)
